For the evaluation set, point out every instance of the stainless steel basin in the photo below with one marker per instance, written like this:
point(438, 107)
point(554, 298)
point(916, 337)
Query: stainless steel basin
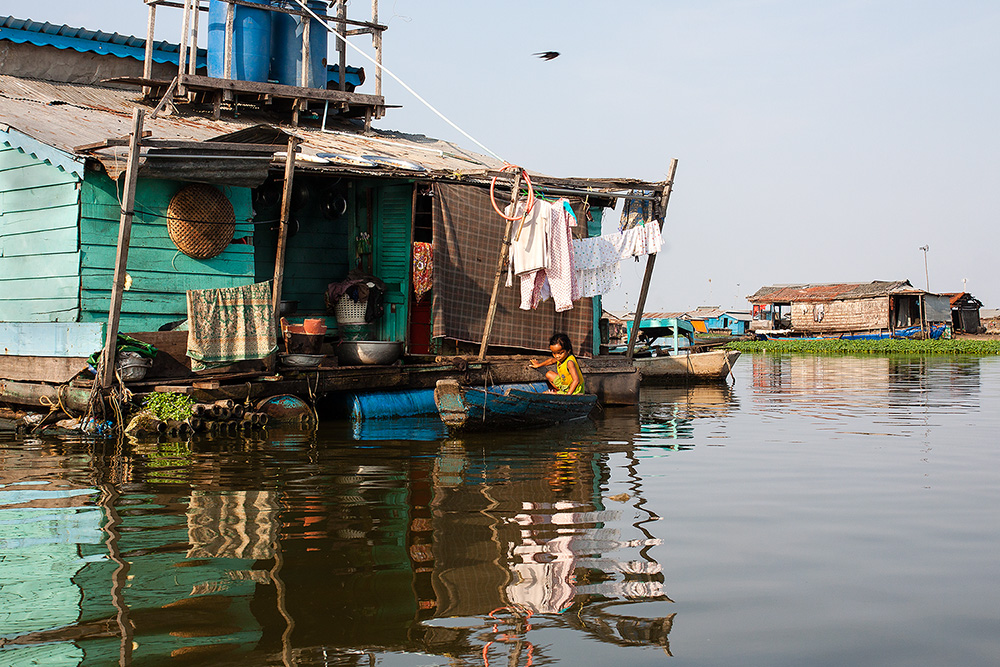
point(375, 352)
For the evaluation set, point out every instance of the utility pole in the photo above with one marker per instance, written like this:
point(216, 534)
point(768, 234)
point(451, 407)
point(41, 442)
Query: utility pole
point(927, 276)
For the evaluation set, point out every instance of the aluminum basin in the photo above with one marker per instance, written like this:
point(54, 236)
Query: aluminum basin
point(359, 352)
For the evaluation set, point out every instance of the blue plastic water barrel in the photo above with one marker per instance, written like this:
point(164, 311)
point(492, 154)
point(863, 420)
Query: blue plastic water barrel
point(286, 42)
point(390, 404)
point(251, 41)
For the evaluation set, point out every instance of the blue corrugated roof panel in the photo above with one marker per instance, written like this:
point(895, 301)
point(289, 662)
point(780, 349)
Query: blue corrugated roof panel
point(26, 31)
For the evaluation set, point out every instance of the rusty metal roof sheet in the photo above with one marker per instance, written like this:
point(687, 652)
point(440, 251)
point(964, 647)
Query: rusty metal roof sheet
point(824, 292)
point(66, 115)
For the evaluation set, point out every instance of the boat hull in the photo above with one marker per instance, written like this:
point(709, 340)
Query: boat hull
point(468, 408)
point(714, 365)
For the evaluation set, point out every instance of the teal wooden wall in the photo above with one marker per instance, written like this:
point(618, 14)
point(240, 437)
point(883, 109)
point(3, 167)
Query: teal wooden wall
point(161, 274)
point(39, 239)
point(316, 254)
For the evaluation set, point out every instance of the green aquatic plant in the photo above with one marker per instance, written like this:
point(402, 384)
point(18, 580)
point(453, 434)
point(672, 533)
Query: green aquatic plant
point(168, 406)
point(885, 346)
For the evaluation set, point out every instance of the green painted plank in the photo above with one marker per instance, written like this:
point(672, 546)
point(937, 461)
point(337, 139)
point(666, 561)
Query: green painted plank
point(39, 310)
point(153, 281)
point(393, 252)
point(66, 264)
point(20, 222)
point(154, 259)
point(141, 238)
point(62, 287)
point(38, 198)
point(145, 303)
point(34, 175)
point(130, 323)
point(13, 158)
point(42, 243)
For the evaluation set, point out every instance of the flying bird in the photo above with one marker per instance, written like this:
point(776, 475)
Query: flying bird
point(547, 55)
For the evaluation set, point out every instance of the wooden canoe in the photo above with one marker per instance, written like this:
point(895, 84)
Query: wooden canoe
point(476, 408)
point(714, 365)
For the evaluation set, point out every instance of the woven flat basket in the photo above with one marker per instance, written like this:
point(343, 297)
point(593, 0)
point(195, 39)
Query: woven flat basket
point(200, 221)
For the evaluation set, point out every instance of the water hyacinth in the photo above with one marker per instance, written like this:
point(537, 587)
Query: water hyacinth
point(884, 346)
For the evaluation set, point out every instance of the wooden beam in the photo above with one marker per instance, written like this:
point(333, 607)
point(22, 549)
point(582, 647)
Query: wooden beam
point(147, 62)
point(107, 364)
point(166, 99)
point(279, 90)
point(279, 258)
point(650, 261)
point(107, 143)
point(377, 45)
point(227, 68)
point(342, 43)
point(182, 53)
point(504, 251)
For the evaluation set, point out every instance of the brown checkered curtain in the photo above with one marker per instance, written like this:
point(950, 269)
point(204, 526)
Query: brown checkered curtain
point(468, 235)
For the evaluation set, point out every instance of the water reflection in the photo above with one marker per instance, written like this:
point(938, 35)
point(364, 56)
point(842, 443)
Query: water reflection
point(302, 545)
point(836, 389)
point(669, 414)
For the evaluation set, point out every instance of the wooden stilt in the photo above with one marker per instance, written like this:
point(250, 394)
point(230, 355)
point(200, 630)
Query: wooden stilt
point(650, 261)
point(107, 365)
point(504, 251)
point(279, 259)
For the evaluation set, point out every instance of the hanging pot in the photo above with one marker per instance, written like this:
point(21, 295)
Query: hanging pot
point(334, 204)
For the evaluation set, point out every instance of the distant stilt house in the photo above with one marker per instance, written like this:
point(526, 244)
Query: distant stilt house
point(965, 312)
point(711, 319)
point(878, 308)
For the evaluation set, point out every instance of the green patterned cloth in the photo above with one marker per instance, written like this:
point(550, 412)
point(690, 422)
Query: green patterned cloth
point(230, 324)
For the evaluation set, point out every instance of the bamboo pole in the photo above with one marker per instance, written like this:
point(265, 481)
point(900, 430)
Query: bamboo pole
point(504, 250)
point(650, 261)
point(107, 365)
point(286, 208)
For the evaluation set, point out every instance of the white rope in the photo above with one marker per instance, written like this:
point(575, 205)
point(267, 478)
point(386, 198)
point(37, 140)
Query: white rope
point(342, 38)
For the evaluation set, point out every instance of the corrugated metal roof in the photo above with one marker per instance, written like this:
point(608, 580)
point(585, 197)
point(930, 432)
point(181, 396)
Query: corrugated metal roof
point(823, 292)
point(65, 115)
point(27, 31)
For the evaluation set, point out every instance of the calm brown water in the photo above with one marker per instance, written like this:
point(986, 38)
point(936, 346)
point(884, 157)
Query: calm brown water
point(820, 511)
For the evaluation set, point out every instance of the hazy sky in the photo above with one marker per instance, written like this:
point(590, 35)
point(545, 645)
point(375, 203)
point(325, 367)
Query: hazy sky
point(818, 141)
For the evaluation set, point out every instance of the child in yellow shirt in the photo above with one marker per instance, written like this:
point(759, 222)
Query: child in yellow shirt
point(567, 378)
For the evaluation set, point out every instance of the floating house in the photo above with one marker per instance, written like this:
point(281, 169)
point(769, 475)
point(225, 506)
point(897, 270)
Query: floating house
point(170, 170)
point(878, 308)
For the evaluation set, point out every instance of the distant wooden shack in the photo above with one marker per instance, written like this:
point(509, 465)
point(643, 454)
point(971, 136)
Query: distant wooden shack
point(965, 313)
point(875, 308)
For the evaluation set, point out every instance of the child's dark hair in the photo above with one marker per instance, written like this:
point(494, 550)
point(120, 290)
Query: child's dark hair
point(562, 340)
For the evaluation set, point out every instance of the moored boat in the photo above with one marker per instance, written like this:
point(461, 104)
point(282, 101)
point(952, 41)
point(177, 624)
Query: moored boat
point(711, 365)
point(513, 406)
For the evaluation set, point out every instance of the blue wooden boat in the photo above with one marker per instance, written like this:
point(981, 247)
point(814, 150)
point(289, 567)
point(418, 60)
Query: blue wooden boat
point(511, 406)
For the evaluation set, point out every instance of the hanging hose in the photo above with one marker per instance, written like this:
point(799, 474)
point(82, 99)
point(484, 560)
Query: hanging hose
point(531, 193)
